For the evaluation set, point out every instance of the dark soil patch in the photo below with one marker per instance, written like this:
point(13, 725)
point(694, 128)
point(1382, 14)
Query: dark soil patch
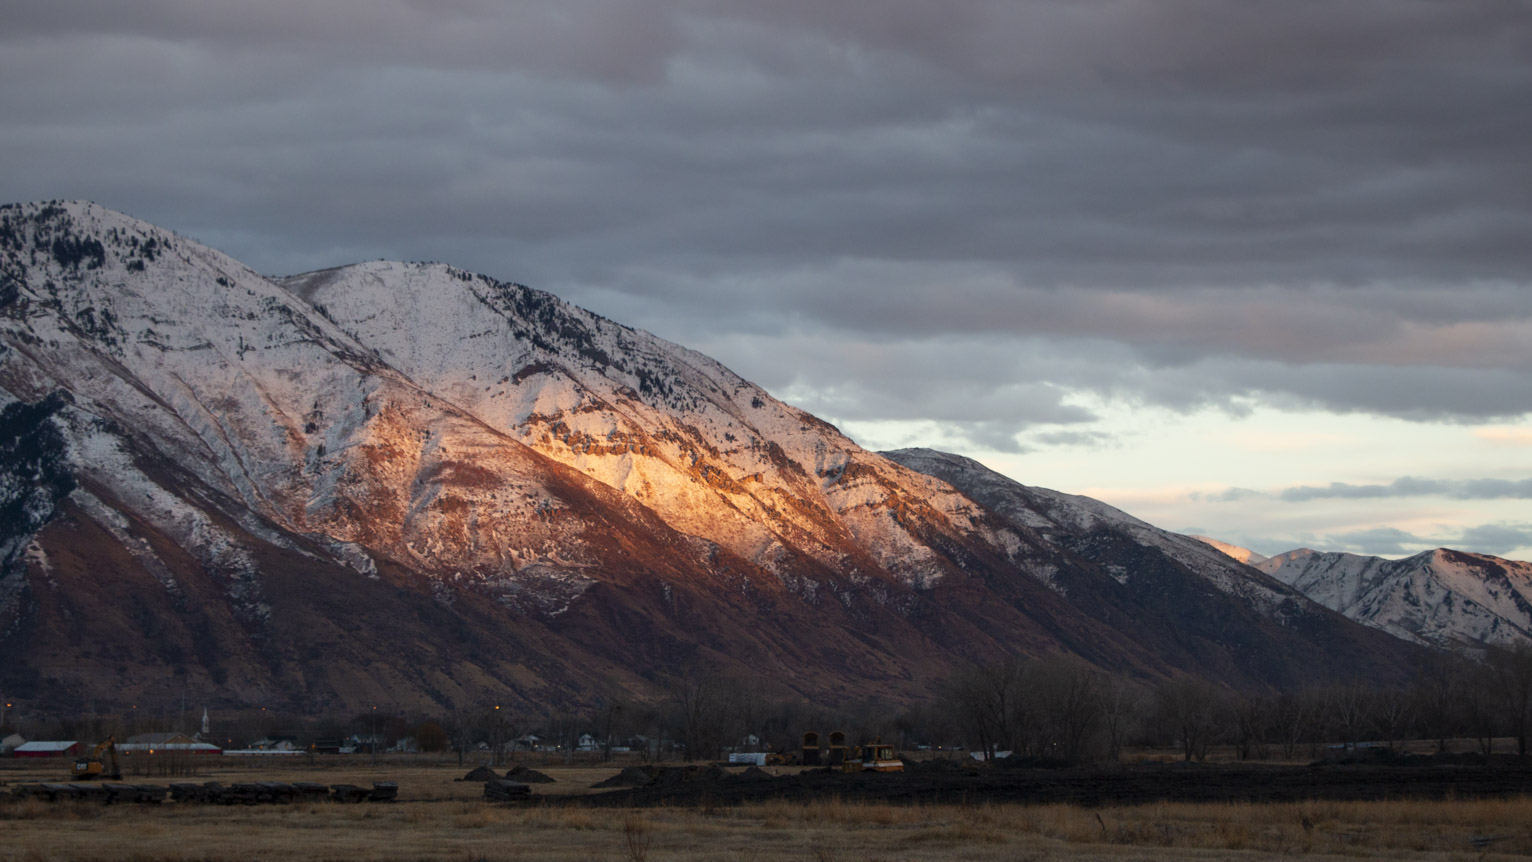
point(1092, 786)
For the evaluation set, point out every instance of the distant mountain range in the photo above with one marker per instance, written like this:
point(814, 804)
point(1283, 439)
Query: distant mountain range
point(408, 484)
point(1442, 597)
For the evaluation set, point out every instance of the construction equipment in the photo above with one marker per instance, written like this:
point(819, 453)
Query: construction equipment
point(875, 756)
point(90, 767)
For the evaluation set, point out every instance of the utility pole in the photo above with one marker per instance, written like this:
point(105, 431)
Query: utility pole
point(495, 758)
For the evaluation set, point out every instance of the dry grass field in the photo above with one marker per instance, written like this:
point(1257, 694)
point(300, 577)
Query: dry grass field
point(439, 819)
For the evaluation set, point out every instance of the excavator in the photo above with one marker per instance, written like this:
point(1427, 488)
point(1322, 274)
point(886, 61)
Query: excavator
point(90, 767)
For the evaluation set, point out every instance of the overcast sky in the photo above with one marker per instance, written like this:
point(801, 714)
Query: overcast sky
point(1259, 270)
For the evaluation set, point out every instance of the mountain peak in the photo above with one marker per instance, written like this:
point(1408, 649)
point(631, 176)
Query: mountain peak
point(1440, 596)
point(1243, 555)
point(244, 474)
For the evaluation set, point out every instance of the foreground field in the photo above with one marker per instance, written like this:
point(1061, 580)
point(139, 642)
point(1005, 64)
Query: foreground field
point(440, 819)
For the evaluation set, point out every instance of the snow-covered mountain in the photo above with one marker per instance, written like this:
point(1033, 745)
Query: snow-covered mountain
point(408, 482)
point(1167, 590)
point(1440, 597)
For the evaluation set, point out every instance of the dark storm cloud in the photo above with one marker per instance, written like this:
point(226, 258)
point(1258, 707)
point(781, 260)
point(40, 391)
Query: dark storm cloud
point(1189, 203)
point(1408, 486)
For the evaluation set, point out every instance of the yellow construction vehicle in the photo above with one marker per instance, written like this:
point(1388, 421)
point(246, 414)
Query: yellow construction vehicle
point(876, 757)
point(91, 767)
point(837, 755)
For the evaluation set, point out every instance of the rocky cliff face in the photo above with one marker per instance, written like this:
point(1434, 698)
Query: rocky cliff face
point(408, 482)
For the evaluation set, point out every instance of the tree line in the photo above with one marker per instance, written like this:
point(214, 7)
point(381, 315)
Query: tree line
point(1049, 709)
point(1062, 708)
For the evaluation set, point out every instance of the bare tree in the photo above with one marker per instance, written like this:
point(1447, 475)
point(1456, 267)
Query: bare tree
point(1188, 705)
point(1252, 718)
point(988, 701)
point(1510, 668)
point(1348, 707)
point(1481, 706)
point(1391, 715)
point(1067, 692)
point(612, 719)
point(703, 708)
point(1294, 717)
point(1121, 706)
point(1436, 691)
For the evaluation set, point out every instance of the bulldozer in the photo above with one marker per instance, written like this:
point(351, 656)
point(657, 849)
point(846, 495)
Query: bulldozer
point(91, 766)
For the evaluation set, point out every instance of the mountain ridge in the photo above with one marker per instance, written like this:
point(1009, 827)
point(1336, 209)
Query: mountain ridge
point(273, 474)
point(1442, 596)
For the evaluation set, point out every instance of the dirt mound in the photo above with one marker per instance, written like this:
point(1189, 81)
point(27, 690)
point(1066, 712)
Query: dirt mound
point(754, 773)
point(630, 777)
point(481, 773)
point(528, 776)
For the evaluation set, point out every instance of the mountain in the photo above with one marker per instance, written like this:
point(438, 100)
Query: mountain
point(1243, 555)
point(1172, 593)
point(409, 484)
point(1440, 597)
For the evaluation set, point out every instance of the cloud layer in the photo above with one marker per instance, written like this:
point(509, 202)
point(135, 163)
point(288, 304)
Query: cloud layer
point(983, 216)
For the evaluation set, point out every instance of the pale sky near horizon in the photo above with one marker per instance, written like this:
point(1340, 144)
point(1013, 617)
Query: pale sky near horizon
point(1254, 270)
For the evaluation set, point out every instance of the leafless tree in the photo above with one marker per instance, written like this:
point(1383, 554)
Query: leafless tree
point(704, 710)
point(1121, 708)
point(1436, 690)
point(1510, 669)
point(1348, 707)
point(1188, 705)
point(1067, 692)
point(988, 700)
point(1391, 715)
point(1295, 717)
point(1481, 705)
point(1252, 717)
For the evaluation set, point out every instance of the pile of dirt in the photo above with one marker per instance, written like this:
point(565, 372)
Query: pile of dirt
point(754, 773)
point(528, 776)
point(481, 773)
point(630, 777)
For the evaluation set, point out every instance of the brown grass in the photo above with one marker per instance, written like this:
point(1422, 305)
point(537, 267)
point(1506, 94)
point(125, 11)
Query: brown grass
point(443, 820)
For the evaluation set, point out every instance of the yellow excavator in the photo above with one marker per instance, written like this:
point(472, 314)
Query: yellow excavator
point(91, 767)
